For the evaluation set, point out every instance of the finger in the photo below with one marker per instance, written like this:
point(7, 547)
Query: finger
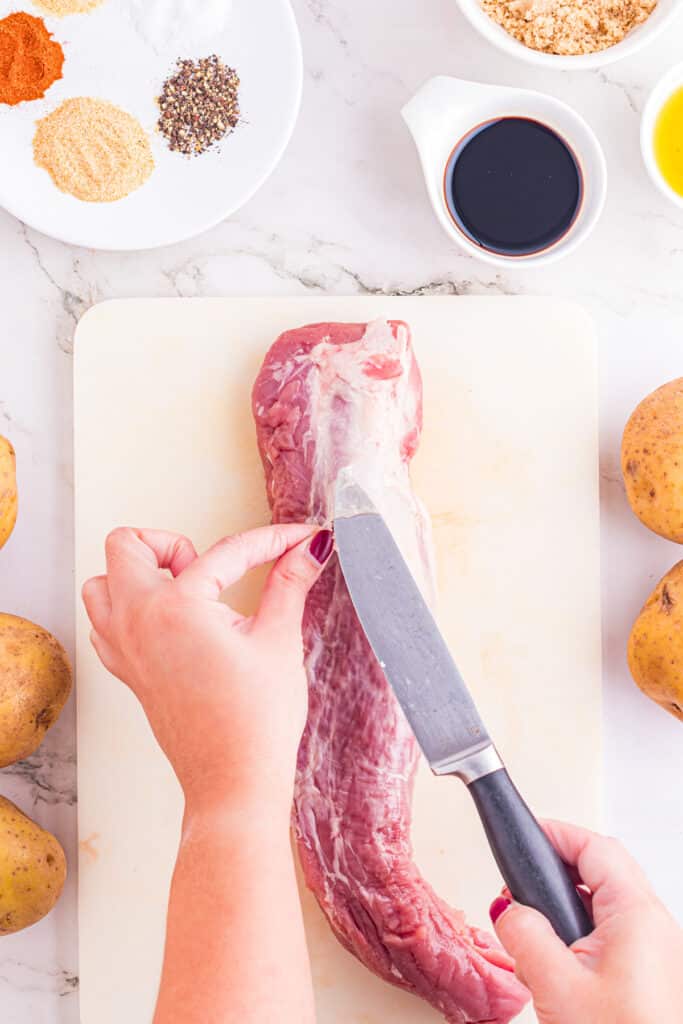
point(602, 863)
point(105, 653)
point(95, 594)
point(135, 557)
point(586, 897)
point(542, 961)
point(228, 561)
point(287, 587)
point(173, 551)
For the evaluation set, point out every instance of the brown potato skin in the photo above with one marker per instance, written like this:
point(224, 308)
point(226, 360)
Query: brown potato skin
point(35, 683)
point(652, 460)
point(8, 490)
point(32, 870)
point(655, 647)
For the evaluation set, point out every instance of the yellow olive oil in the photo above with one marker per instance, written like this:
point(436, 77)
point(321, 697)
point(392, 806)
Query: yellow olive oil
point(669, 141)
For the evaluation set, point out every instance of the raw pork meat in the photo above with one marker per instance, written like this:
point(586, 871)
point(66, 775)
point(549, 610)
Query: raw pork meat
point(328, 396)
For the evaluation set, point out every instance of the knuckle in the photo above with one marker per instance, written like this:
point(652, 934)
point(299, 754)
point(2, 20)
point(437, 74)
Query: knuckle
point(159, 613)
point(138, 623)
point(613, 850)
point(234, 545)
point(133, 614)
point(293, 576)
point(115, 538)
point(280, 539)
point(181, 546)
point(148, 607)
point(519, 922)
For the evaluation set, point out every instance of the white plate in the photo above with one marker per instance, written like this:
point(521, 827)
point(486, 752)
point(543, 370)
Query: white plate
point(106, 58)
point(643, 35)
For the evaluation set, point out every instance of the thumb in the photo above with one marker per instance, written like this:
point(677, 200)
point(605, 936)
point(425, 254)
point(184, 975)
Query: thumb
point(542, 961)
point(291, 578)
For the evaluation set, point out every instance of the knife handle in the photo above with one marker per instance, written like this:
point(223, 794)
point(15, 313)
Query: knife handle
point(530, 865)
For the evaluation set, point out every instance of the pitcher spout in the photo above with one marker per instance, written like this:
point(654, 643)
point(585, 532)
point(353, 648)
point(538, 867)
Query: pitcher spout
point(433, 108)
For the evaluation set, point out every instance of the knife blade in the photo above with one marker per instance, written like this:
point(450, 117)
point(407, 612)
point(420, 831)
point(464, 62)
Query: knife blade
point(430, 689)
point(407, 641)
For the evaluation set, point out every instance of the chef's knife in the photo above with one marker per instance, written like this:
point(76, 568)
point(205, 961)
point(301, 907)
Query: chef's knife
point(417, 663)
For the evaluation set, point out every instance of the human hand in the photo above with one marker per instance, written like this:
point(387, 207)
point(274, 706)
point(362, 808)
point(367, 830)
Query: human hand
point(629, 971)
point(225, 695)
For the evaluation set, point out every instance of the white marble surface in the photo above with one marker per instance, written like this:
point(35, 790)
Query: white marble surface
point(345, 213)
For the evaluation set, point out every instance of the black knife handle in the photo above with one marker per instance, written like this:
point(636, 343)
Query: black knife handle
point(530, 865)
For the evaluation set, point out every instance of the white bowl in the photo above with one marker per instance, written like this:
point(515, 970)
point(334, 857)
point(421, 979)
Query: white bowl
point(641, 36)
point(665, 87)
point(445, 110)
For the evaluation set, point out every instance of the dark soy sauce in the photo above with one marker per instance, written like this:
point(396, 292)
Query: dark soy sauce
point(513, 186)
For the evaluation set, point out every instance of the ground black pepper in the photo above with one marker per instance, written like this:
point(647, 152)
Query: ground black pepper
point(199, 105)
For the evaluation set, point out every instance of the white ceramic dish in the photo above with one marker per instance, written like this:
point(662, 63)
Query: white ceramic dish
point(665, 87)
point(446, 109)
point(663, 14)
point(184, 196)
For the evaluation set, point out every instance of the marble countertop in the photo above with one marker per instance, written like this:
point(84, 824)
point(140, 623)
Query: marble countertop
point(346, 212)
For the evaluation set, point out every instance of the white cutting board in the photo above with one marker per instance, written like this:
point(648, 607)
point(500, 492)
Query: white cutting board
point(509, 471)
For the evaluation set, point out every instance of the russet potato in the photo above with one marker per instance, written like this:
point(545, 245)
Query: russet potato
point(652, 460)
point(35, 682)
point(32, 870)
point(8, 490)
point(655, 648)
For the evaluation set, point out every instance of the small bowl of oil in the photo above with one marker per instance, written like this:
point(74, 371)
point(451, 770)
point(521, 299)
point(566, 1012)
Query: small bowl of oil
point(661, 135)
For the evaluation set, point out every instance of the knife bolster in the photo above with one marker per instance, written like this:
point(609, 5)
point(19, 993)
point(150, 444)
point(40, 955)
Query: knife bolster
point(471, 765)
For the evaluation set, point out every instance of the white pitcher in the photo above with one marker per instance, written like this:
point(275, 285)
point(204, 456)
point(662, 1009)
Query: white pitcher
point(445, 110)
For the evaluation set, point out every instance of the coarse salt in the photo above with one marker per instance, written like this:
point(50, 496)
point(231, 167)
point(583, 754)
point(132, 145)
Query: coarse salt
point(186, 25)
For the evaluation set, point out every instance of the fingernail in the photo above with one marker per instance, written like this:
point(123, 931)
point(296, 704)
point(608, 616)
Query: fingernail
point(498, 908)
point(322, 546)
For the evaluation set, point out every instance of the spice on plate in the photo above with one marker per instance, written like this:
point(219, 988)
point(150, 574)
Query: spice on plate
point(30, 59)
point(179, 26)
point(569, 27)
point(62, 7)
point(93, 150)
point(199, 105)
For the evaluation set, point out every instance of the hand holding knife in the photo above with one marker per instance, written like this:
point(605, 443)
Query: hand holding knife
point(417, 663)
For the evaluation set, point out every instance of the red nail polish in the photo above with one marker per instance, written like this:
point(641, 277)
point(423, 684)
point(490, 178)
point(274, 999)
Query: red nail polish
point(322, 546)
point(498, 908)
